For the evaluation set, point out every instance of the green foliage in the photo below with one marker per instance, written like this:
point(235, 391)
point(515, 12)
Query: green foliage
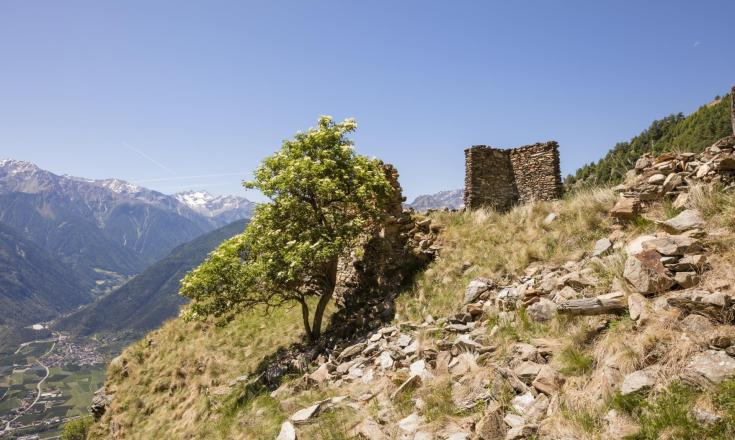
point(574, 361)
point(323, 198)
point(669, 414)
point(77, 429)
point(672, 133)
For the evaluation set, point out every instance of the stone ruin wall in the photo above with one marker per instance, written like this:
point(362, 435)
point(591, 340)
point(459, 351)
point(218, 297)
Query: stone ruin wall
point(500, 178)
point(369, 276)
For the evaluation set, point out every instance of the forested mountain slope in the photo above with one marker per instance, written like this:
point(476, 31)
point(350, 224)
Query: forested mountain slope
point(676, 132)
point(148, 299)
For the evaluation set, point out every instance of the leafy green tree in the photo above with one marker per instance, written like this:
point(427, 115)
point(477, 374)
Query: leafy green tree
point(323, 197)
point(77, 429)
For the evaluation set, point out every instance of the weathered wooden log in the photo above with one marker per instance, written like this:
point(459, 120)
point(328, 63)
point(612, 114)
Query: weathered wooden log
point(609, 303)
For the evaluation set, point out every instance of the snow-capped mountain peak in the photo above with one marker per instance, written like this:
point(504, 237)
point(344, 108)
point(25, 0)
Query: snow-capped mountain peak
point(216, 206)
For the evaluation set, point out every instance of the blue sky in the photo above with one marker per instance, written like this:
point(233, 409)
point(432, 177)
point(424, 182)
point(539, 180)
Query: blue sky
point(158, 92)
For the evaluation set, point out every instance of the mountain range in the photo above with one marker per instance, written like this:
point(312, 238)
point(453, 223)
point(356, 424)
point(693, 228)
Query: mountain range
point(65, 240)
point(452, 199)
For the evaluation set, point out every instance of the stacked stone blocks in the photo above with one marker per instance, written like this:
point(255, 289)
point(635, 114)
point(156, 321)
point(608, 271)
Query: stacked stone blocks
point(501, 178)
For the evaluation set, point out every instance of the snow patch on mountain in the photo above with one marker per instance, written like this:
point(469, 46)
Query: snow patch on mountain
point(231, 207)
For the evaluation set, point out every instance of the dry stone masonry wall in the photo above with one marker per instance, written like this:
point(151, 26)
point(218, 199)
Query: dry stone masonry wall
point(501, 178)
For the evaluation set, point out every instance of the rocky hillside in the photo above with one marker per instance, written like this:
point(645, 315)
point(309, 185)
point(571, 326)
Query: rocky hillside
point(150, 298)
point(571, 319)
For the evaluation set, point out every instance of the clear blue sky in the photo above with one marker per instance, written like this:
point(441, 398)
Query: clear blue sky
point(153, 92)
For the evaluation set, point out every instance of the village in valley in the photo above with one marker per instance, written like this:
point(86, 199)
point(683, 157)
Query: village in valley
point(46, 383)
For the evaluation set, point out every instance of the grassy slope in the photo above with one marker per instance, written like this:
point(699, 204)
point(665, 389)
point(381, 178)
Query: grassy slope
point(171, 383)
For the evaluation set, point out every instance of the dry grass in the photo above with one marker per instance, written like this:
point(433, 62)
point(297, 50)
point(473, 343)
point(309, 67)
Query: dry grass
point(503, 245)
point(169, 387)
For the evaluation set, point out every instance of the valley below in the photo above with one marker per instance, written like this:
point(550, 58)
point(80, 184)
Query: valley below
point(48, 382)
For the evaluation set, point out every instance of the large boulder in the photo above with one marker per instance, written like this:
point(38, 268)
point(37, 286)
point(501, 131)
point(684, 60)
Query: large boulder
point(476, 288)
point(625, 209)
point(646, 274)
point(686, 220)
point(713, 365)
point(673, 245)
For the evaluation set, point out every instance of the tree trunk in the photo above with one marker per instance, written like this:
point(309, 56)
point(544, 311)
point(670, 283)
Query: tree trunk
point(329, 286)
point(305, 317)
point(599, 305)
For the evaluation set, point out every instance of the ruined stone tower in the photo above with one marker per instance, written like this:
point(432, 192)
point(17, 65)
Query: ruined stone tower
point(501, 178)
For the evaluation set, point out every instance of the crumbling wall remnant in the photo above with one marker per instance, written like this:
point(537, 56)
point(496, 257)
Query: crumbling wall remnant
point(501, 178)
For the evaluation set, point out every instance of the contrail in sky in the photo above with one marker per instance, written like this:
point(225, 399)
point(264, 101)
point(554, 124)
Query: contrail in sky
point(200, 176)
point(152, 160)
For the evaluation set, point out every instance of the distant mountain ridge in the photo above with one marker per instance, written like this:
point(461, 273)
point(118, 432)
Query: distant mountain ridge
point(108, 224)
point(148, 299)
point(65, 240)
point(452, 199)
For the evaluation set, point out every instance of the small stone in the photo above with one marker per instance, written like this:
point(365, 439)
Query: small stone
point(686, 279)
point(542, 310)
point(657, 179)
point(527, 371)
point(491, 426)
point(304, 415)
point(404, 340)
point(637, 381)
point(521, 432)
point(410, 424)
point(681, 201)
point(351, 351)
point(514, 420)
point(523, 402)
point(639, 309)
point(369, 428)
point(548, 381)
point(288, 432)
point(672, 181)
point(696, 324)
point(601, 246)
point(550, 218)
point(385, 360)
